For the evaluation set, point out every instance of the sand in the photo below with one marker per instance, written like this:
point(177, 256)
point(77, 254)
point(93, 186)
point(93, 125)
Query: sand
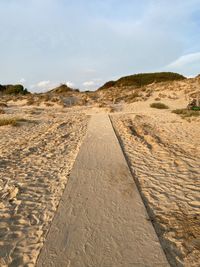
point(35, 161)
point(163, 151)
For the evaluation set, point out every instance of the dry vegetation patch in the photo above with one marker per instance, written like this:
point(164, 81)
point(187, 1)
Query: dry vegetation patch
point(185, 113)
point(159, 105)
point(3, 105)
point(2, 111)
point(8, 121)
point(14, 121)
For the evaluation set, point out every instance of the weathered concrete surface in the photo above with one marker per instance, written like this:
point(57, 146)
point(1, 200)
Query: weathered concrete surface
point(101, 220)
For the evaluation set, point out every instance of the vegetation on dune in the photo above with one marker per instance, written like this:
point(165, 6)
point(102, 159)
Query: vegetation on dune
point(159, 105)
point(14, 121)
point(13, 89)
point(8, 121)
point(196, 108)
point(143, 79)
point(108, 85)
point(62, 89)
point(187, 113)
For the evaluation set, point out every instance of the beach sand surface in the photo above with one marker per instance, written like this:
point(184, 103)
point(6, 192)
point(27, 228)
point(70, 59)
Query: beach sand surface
point(163, 151)
point(36, 157)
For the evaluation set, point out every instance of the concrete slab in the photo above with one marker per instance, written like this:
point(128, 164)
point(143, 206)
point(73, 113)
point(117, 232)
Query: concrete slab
point(101, 220)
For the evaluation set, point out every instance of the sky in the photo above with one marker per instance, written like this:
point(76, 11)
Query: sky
point(84, 43)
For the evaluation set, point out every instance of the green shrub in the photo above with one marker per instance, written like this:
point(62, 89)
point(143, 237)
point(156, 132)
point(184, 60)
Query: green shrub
point(159, 105)
point(196, 108)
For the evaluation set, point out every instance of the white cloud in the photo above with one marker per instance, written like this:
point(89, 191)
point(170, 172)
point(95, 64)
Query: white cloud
point(43, 84)
point(70, 84)
point(88, 83)
point(93, 84)
point(189, 65)
point(22, 80)
point(185, 60)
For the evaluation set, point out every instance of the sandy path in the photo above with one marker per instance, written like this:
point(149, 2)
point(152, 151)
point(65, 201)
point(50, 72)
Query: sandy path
point(101, 220)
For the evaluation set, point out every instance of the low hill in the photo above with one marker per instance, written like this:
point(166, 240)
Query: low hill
point(143, 79)
point(62, 89)
point(13, 89)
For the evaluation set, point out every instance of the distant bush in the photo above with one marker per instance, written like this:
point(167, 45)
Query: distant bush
point(143, 79)
point(62, 89)
point(159, 105)
point(13, 89)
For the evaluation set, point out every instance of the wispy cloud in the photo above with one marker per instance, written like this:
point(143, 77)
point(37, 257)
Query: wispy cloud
point(188, 64)
point(185, 60)
point(43, 84)
point(88, 83)
point(93, 84)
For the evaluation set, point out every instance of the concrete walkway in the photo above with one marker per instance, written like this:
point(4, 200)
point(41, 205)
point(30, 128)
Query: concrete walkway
point(101, 220)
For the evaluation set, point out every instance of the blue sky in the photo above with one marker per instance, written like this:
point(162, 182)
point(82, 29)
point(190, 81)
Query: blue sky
point(85, 43)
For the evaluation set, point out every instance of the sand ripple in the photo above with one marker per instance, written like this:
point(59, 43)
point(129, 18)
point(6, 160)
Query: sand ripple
point(164, 154)
point(35, 162)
